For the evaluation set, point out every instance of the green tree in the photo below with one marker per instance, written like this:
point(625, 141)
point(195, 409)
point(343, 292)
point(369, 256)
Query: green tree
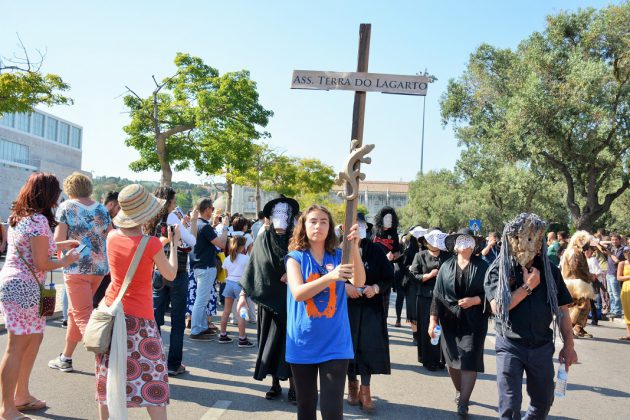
point(287, 175)
point(23, 85)
point(196, 117)
point(560, 102)
point(449, 199)
point(184, 200)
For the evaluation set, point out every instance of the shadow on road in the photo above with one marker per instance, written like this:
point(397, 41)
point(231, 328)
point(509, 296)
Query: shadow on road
point(240, 401)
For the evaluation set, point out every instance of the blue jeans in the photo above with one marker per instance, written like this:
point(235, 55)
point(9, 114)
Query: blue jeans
point(614, 291)
point(173, 293)
point(206, 280)
point(512, 360)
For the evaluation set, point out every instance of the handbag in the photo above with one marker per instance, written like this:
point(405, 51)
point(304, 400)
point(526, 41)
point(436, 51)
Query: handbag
point(97, 337)
point(47, 297)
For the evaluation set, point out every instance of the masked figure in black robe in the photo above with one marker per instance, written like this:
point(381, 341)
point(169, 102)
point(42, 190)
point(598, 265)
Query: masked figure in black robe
point(404, 284)
point(425, 268)
point(459, 305)
point(368, 321)
point(264, 281)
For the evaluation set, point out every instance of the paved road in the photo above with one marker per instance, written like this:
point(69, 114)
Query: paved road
point(220, 385)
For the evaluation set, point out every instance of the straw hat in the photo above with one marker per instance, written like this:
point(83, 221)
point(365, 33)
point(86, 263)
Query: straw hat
point(137, 206)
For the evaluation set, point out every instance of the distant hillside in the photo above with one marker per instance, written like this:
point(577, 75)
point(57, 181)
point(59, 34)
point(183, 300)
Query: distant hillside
point(187, 193)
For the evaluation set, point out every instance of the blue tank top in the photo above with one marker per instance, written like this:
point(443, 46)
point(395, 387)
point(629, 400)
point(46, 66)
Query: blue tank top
point(318, 329)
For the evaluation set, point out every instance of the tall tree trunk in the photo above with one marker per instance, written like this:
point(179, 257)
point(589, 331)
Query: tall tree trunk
point(160, 146)
point(258, 204)
point(228, 204)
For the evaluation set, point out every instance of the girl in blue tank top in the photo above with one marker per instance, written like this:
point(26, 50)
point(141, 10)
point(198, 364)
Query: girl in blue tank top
point(318, 331)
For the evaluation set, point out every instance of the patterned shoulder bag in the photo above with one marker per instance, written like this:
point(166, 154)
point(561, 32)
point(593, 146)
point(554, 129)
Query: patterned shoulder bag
point(47, 297)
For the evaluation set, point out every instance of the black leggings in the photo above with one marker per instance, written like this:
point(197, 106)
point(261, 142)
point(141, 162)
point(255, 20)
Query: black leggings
point(332, 381)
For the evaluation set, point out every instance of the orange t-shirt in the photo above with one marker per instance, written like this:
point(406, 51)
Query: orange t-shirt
point(138, 300)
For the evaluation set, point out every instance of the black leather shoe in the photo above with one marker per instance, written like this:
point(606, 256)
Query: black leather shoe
point(462, 411)
point(274, 392)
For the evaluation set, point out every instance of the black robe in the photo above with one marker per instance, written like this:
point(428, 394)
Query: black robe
point(463, 330)
point(423, 263)
point(261, 282)
point(403, 279)
point(368, 319)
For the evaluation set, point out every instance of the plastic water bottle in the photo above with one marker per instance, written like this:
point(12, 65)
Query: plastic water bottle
point(561, 381)
point(243, 313)
point(437, 332)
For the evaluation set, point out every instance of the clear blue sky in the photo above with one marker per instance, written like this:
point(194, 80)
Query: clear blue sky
point(99, 47)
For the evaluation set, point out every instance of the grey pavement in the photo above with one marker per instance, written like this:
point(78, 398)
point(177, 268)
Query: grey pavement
point(220, 383)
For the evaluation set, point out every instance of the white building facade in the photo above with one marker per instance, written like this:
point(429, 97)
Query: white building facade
point(35, 142)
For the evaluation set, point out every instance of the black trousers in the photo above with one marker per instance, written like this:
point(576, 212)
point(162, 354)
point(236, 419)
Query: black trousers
point(332, 381)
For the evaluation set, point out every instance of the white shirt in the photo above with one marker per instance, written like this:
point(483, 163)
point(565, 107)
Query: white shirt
point(187, 237)
point(235, 268)
point(593, 266)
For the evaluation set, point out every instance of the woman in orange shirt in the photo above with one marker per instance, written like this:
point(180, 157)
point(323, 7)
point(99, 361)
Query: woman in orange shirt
point(147, 376)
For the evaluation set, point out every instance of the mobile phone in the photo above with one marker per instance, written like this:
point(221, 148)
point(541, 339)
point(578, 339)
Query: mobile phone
point(80, 248)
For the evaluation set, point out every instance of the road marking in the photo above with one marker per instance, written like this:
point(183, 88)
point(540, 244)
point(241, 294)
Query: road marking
point(217, 410)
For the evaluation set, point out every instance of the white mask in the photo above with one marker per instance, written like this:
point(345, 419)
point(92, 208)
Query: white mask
point(387, 221)
point(280, 216)
point(362, 230)
point(464, 242)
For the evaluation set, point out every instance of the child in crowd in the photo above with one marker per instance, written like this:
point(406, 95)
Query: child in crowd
point(235, 265)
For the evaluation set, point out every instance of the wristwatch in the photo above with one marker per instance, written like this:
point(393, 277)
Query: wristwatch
point(376, 288)
point(528, 289)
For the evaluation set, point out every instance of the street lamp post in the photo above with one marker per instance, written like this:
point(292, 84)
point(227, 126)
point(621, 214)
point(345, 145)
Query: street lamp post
point(424, 105)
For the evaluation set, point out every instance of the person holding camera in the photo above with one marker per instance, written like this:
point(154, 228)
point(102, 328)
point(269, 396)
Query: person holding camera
point(147, 378)
point(203, 263)
point(175, 293)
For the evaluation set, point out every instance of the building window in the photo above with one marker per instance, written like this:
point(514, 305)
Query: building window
point(51, 129)
point(37, 124)
point(21, 121)
point(13, 152)
point(64, 133)
point(75, 137)
point(7, 120)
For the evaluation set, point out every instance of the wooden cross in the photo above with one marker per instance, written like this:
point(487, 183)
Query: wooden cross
point(360, 82)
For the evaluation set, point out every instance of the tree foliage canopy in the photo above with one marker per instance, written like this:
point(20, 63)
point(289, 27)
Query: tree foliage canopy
point(560, 102)
point(196, 118)
point(23, 85)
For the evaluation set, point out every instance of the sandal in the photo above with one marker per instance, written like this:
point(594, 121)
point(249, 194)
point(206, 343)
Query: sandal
point(626, 338)
point(32, 406)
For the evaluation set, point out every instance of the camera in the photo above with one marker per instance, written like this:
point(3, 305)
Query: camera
point(163, 229)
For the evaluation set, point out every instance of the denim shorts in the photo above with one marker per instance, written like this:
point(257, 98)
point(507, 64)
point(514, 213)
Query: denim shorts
point(232, 290)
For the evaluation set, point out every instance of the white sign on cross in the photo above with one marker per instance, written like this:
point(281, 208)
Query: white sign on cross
point(360, 82)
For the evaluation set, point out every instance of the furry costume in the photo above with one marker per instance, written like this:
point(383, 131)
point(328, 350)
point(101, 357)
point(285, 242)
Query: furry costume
point(578, 279)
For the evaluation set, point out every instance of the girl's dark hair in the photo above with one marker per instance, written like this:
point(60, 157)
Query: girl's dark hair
point(166, 193)
point(239, 223)
point(38, 195)
point(299, 240)
point(236, 242)
point(378, 220)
